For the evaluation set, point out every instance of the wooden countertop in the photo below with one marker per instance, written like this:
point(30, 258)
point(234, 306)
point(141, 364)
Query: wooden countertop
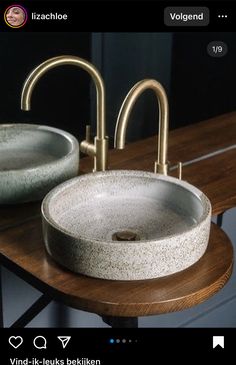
point(216, 177)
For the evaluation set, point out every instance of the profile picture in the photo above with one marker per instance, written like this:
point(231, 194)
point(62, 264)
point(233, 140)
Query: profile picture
point(15, 16)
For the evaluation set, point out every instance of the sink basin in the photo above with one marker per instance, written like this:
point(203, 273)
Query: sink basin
point(126, 225)
point(33, 160)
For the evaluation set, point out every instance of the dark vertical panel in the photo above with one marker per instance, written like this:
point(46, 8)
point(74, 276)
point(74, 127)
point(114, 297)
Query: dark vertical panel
point(126, 59)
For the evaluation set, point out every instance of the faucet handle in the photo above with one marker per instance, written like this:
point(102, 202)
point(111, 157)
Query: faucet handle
point(87, 146)
point(178, 166)
point(180, 169)
point(88, 133)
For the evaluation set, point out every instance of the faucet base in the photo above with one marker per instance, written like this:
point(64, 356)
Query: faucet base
point(100, 159)
point(99, 150)
point(160, 168)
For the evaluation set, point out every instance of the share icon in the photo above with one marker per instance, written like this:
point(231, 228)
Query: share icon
point(64, 340)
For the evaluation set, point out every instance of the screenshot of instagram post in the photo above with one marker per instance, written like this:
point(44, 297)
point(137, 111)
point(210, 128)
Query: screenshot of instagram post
point(117, 181)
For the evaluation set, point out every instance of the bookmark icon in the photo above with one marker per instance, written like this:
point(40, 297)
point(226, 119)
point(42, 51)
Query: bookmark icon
point(218, 341)
point(64, 340)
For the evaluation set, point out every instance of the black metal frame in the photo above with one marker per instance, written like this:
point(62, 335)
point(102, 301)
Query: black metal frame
point(60, 315)
point(32, 312)
point(1, 300)
point(121, 322)
point(219, 220)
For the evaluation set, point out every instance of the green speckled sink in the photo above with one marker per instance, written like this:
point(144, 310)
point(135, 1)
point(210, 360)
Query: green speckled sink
point(33, 160)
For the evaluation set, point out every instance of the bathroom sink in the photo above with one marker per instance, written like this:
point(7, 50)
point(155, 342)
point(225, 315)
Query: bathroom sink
point(126, 225)
point(33, 160)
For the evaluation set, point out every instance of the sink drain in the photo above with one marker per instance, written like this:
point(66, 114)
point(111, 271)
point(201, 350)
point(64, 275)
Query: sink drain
point(125, 236)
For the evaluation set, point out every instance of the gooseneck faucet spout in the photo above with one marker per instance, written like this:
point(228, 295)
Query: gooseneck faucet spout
point(99, 148)
point(161, 165)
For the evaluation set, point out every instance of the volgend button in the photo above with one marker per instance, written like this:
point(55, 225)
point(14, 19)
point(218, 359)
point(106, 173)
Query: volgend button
point(189, 16)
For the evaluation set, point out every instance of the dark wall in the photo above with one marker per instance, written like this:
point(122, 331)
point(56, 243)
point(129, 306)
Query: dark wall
point(201, 86)
point(61, 97)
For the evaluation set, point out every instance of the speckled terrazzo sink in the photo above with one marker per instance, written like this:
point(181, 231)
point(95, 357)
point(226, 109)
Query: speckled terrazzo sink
point(33, 160)
point(126, 225)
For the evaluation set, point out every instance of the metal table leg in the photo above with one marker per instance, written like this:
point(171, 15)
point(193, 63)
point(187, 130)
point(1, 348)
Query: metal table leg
point(1, 300)
point(61, 315)
point(219, 220)
point(121, 322)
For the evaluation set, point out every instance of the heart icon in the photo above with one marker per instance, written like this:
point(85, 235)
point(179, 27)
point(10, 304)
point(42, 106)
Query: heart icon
point(15, 341)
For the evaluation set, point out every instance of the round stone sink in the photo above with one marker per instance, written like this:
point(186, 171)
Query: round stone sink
point(33, 160)
point(126, 225)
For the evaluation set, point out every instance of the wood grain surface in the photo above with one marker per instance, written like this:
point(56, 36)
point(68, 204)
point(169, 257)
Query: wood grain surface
point(22, 250)
point(216, 177)
point(13, 215)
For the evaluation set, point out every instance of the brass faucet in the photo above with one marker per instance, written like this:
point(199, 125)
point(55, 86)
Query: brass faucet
point(161, 165)
point(99, 148)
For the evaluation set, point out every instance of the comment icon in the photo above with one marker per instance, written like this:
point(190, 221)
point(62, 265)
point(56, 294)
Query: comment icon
point(40, 343)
